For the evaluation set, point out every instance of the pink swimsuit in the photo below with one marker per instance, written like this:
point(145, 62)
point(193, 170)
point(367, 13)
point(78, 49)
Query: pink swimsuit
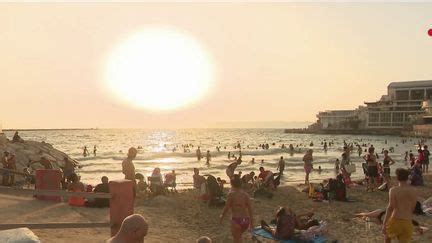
point(242, 222)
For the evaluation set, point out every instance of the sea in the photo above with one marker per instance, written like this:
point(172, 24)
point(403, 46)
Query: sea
point(156, 150)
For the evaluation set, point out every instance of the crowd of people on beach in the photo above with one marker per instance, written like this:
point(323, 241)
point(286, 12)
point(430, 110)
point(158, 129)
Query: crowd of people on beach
point(396, 219)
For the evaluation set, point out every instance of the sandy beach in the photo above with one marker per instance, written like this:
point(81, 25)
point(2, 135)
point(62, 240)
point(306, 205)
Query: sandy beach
point(180, 217)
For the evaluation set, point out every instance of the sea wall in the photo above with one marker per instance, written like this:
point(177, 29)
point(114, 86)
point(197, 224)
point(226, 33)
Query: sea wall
point(346, 131)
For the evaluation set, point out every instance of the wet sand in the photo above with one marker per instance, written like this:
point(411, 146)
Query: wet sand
point(180, 217)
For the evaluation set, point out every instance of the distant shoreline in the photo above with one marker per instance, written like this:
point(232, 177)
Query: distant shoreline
point(48, 129)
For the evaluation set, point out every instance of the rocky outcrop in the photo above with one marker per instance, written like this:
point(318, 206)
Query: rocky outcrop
point(27, 151)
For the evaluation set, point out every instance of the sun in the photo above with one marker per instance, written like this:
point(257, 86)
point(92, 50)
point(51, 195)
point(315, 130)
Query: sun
point(159, 69)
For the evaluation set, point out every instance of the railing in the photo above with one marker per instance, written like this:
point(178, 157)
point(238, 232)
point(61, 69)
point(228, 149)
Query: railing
point(121, 206)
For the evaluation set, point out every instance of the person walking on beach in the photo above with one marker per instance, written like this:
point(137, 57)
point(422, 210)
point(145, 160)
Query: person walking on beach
point(208, 157)
point(198, 154)
point(281, 165)
point(128, 167)
point(372, 166)
point(398, 217)
point(307, 159)
point(94, 151)
point(239, 204)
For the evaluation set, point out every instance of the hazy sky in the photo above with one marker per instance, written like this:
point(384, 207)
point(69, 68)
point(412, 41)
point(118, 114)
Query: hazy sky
point(272, 62)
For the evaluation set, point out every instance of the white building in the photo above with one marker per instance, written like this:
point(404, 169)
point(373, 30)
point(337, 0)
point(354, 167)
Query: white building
point(403, 102)
point(334, 118)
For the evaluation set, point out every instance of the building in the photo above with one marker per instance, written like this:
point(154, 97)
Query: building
point(336, 119)
point(400, 107)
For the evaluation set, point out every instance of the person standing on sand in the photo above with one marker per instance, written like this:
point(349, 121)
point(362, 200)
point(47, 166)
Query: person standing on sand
point(12, 166)
point(198, 154)
point(241, 210)
point(372, 166)
point(5, 174)
point(307, 159)
point(425, 159)
point(281, 165)
point(387, 161)
point(128, 167)
point(398, 217)
point(132, 230)
point(94, 151)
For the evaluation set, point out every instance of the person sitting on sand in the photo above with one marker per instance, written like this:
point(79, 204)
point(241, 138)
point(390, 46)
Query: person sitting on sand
point(170, 179)
point(132, 230)
point(377, 216)
point(402, 201)
point(230, 170)
point(204, 239)
point(307, 159)
point(198, 180)
point(287, 221)
point(101, 188)
point(266, 177)
point(16, 138)
point(141, 185)
point(156, 183)
point(76, 186)
point(221, 183)
point(248, 181)
point(241, 210)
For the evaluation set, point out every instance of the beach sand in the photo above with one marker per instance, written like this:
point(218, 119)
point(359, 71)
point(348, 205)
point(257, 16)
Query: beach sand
point(180, 217)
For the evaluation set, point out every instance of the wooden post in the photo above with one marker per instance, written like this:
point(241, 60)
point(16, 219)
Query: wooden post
point(48, 180)
point(121, 203)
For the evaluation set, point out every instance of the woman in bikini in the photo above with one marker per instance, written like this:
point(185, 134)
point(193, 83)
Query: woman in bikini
point(241, 210)
point(372, 168)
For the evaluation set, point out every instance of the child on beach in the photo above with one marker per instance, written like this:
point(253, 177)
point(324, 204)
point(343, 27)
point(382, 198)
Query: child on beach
point(141, 185)
point(76, 186)
point(239, 204)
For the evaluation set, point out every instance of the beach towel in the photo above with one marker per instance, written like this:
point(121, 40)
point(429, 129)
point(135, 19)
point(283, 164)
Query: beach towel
point(314, 234)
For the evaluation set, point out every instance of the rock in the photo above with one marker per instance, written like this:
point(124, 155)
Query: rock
point(32, 151)
point(22, 235)
point(3, 138)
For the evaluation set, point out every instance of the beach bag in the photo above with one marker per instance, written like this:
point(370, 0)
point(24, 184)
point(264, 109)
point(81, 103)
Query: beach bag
point(350, 168)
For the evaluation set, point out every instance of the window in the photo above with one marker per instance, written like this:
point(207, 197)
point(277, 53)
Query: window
point(398, 117)
point(373, 117)
point(402, 95)
point(385, 117)
point(428, 94)
point(417, 94)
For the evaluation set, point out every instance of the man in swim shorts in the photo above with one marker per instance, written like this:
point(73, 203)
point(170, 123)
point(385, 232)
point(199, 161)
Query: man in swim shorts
point(402, 201)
